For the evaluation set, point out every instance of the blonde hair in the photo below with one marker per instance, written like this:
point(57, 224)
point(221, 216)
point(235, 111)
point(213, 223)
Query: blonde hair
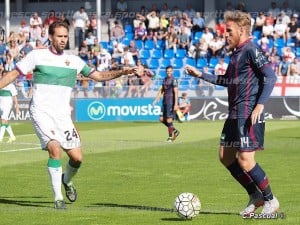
point(240, 18)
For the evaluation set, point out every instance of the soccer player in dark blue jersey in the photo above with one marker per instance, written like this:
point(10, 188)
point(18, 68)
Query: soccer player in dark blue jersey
point(250, 81)
point(169, 90)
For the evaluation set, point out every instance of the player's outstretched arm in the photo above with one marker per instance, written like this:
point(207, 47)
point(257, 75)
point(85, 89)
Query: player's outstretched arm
point(109, 75)
point(193, 71)
point(9, 78)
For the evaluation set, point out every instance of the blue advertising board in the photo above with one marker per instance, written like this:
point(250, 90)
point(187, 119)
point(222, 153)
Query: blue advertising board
point(130, 109)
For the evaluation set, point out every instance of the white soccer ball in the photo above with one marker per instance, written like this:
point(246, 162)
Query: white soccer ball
point(187, 205)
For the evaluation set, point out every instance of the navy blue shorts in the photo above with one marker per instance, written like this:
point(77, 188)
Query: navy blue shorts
point(167, 111)
point(239, 133)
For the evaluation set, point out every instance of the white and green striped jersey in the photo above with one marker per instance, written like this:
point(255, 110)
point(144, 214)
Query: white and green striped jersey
point(54, 76)
point(8, 91)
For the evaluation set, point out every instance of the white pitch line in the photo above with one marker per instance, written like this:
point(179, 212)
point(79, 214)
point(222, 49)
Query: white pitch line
point(19, 150)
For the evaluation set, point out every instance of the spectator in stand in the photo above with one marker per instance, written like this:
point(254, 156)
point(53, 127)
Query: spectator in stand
point(285, 19)
point(80, 23)
point(207, 35)
point(199, 49)
point(260, 21)
point(127, 58)
point(50, 19)
point(132, 48)
point(165, 11)
point(284, 67)
point(263, 42)
point(171, 39)
point(297, 38)
point(84, 52)
point(274, 63)
point(90, 40)
point(139, 18)
point(95, 48)
point(161, 34)
point(24, 29)
point(153, 21)
point(280, 29)
point(183, 39)
point(274, 11)
point(122, 10)
point(288, 54)
point(268, 29)
point(64, 19)
point(3, 51)
point(27, 47)
point(145, 75)
point(285, 7)
point(292, 28)
point(14, 49)
point(220, 27)
point(35, 20)
point(39, 45)
point(269, 19)
point(190, 11)
point(117, 32)
point(140, 32)
point(184, 104)
point(44, 38)
point(9, 62)
point(214, 47)
point(221, 67)
point(163, 21)
point(295, 68)
point(93, 24)
point(198, 23)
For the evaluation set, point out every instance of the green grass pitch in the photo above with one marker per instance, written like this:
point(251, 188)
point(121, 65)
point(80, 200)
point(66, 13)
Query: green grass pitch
point(131, 176)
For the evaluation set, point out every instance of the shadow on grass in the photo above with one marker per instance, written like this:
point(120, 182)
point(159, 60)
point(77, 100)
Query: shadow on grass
point(137, 207)
point(30, 203)
point(152, 208)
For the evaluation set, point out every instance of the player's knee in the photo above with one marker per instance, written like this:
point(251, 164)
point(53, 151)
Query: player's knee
point(75, 163)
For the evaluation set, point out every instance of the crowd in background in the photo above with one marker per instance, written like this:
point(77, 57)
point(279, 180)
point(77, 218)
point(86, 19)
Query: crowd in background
point(276, 30)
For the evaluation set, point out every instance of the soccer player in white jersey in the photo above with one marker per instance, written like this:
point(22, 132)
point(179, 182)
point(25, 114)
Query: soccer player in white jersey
point(54, 76)
point(8, 97)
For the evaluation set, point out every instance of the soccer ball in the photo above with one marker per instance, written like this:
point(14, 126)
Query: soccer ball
point(187, 205)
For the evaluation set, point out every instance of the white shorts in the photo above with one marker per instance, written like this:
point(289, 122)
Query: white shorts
point(6, 104)
point(54, 127)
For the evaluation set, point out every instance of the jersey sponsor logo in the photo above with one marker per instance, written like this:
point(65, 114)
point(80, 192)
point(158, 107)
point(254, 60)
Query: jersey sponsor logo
point(96, 110)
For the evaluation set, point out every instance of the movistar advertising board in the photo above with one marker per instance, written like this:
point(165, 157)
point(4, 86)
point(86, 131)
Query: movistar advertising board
point(130, 109)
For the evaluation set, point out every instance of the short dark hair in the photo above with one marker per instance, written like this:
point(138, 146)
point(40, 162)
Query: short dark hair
point(57, 24)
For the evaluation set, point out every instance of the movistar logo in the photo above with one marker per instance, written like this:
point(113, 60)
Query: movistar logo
point(96, 110)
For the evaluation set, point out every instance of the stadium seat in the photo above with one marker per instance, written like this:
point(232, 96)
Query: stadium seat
point(139, 44)
point(129, 36)
point(190, 61)
point(169, 53)
point(180, 53)
point(153, 64)
point(156, 54)
point(104, 44)
point(128, 28)
point(257, 34)
point(149, 44)
point(290, 42)
point(197, 36)
point(213, 62)
point(176, 74)
point(162, 74)
point(160, 44)
point(178, 63)
point(184, 85)
point(165, 63)
point(298, 51)
point(144, 54)
point(279, 42)
point(157, 84)
point(201, 62)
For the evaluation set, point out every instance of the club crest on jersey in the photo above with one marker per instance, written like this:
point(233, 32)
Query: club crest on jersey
point(67, 62)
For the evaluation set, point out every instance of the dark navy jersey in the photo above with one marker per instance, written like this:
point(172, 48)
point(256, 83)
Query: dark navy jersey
point(168, 85)
point(249, 79)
